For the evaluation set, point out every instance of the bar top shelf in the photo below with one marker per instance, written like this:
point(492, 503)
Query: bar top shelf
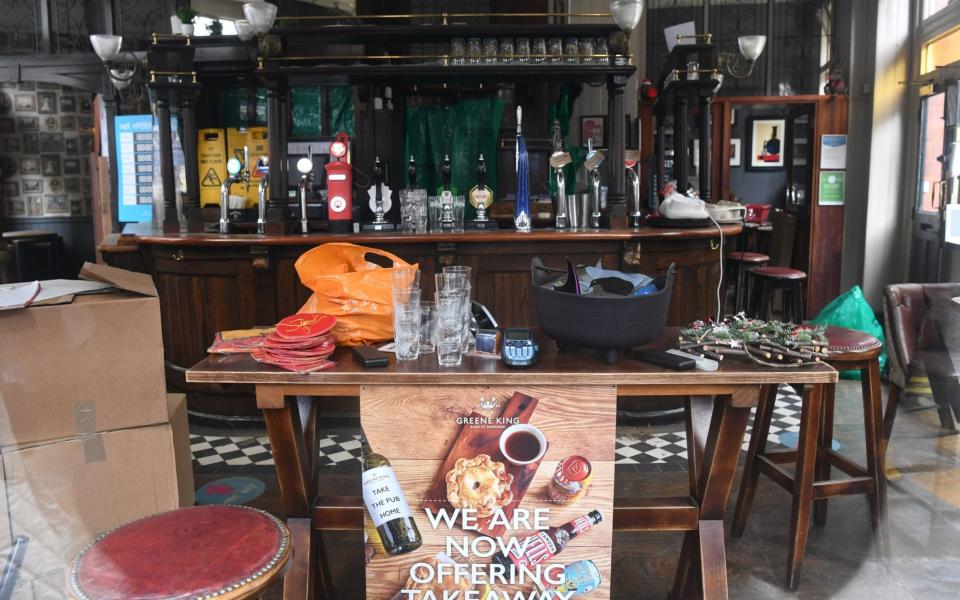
point(124, 242)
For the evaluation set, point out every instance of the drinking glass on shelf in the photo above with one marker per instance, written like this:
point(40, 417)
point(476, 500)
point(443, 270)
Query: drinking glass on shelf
point(450, 327)
point(571, 49)
point(474, 51)
point(601, 47)
point(428, 327)
point(555, 49)
point(461, 275)
point(522, 48)
point(539, 50)
point(406, 323)
point(585, 45)
point(403, 279)
point(490, 50)
point(458, 50)
point(506, 50)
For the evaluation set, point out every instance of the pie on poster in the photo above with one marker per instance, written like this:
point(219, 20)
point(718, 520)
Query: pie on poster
point(497, 491)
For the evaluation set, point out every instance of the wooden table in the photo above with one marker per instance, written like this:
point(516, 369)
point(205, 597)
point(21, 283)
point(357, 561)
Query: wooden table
point(717, 408)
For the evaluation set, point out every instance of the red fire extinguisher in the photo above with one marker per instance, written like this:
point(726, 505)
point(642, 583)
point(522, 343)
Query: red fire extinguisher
point(340, 186)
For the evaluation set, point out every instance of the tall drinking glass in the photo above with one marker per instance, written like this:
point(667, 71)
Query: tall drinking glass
point(461, 274)
point(449, 327)
point(428, 327)
point(406, 323)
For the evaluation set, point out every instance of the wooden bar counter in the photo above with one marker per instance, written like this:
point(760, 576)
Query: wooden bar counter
point(210, 282)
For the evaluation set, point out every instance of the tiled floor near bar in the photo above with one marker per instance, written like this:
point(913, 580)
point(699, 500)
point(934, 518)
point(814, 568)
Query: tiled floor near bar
point(923, 470)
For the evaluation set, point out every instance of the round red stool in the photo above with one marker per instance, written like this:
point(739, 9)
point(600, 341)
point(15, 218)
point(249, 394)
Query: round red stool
point(766, 280)
point(743, 262)
point(222, 552)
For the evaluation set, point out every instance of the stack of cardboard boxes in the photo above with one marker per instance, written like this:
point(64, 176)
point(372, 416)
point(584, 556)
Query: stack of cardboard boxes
point(89, 438)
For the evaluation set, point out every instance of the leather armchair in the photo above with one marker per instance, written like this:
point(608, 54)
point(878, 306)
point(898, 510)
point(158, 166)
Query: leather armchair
point(918, 318)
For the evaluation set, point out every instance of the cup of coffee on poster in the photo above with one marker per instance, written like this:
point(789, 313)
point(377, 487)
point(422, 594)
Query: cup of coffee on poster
point(522, 444)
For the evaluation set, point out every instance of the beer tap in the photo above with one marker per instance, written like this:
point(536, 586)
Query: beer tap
point(592, 163)
point(636, 215)
point(558, 160)
point(378, 192)
point(263, 168)
point(446, 195)
point(236, 172)
point(305, 167)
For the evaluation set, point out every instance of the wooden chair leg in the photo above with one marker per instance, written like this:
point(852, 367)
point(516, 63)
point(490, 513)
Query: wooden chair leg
point(758, 444)
point(803, 482)
point(825, 442)
point(766, 299)
point(893, 402)
point(870, 382)
point(753, 307)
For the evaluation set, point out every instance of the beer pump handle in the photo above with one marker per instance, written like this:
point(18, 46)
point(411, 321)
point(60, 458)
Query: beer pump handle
point(378, 179)
point(411, 174)
point(481, 172)
point(446, 170)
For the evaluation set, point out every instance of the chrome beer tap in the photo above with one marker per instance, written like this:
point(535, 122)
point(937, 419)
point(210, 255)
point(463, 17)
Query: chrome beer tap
point(558, 160)
point(636, 215)
point(236, 172)
point(305, 166)
point(592, 163)
point(263, 167)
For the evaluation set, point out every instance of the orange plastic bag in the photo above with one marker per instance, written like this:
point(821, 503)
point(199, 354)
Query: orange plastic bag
point(356, 291)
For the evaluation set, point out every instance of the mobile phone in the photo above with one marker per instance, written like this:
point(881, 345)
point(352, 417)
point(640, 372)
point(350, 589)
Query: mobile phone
point(370, 357)
point(663, 359)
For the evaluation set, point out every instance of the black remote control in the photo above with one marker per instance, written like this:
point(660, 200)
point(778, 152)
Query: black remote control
point(664, 359)
point(370, 357)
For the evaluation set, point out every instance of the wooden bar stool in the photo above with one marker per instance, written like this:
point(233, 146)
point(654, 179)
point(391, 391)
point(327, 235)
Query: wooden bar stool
point(743, 262)
point(222, 552)
point(766, 281)
point(810, 482)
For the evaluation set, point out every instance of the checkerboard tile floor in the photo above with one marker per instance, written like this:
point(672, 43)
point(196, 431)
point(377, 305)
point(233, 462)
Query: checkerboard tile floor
point(657, 447)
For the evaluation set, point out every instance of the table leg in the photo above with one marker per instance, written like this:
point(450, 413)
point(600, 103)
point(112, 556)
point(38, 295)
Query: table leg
point(803, 482)
point(720, 452)
point(876, 462)
point(298, 582)
point(758, 444)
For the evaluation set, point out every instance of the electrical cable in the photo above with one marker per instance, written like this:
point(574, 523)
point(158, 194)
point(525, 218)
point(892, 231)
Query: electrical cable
point(720, 282)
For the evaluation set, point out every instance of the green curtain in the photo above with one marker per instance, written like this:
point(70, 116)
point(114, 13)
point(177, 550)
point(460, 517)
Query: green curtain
point(561, 110)
point(463, 130)
point(341, 110)
point(306, 104)
point(233, 107)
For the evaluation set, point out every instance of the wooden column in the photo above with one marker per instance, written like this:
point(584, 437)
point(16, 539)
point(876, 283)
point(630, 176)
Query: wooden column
point(171, 220)
point(616, 207)
point(277, 211)
point(189, 141)
point(680, 110)
point(705, 146)
point(110, 108)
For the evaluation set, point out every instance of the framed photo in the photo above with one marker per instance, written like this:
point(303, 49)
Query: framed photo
point(68, 104)
point(47, 103)
point(50, 165)
point(35, 206)
point(31, 143)
point(71, 185)
point(55, 185)
point(72, 145)
point(56, 205)
point(6, 125)
point(16, 207)
point(767, 146)
point(28, 123)
point(68, 122)
point(25, 103)
point(51, 123)
point(51, 142)
point(32, 186)
point(71, 166)
point(735, 157)
point(86, 102)
point(30, 166)
point(9, 189)
point(593, 129)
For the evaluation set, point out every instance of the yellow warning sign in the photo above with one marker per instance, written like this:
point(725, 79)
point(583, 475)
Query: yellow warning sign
point(210, 179)
point(212, 159)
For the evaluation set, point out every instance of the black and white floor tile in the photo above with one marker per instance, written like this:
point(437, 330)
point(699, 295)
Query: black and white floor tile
point(657, 447)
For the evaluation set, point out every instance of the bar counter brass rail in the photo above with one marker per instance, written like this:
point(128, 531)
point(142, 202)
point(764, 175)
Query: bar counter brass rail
point(155, 74)
point(443, 57)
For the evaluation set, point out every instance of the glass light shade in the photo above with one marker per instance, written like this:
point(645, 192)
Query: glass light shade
point(120, 79)
point(626, 13)
point(260, 15)
point(244, 30)
point(751, 46)
point(107, 47)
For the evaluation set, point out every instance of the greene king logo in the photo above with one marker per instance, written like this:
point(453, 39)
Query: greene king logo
point(486, 404)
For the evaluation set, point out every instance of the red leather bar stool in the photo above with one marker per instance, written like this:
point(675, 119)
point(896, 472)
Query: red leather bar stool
point(740, 263)
point(222, 552)
point(810, 482)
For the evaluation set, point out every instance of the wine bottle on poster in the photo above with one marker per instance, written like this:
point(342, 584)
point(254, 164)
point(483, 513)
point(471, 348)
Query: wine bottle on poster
point(386, 505)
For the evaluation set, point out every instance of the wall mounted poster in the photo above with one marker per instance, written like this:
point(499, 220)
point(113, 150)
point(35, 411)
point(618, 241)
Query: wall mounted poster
point(134, 167)
point(832, 188)
point(767, 147)
point(495, 492)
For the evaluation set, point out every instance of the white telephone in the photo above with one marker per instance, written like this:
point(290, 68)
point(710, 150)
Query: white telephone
point(678, 206)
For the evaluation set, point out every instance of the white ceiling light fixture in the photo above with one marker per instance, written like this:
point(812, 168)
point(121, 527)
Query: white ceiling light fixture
point(260, 15)
point(740, 65)
point(626, 14)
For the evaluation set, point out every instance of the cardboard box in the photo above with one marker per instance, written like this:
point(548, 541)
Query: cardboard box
point(212, 163)
point(177, 409)
point(63, 494)
point(89, 365)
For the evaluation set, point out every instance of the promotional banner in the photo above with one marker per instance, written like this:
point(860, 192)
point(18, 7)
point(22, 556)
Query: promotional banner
point(488, 492)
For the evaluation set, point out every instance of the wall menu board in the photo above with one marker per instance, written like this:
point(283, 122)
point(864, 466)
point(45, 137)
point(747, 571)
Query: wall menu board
point(135, 167)
point(507, 492)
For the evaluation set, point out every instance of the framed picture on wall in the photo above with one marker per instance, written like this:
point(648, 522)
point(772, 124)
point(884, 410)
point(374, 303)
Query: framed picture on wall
point(735, 158)
point(595, 129)
point(767, 148)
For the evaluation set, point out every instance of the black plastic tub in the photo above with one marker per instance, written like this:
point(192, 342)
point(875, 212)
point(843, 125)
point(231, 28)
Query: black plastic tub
point(609, 324)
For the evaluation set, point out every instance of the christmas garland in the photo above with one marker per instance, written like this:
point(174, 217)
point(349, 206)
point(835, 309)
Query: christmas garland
point(769, 343)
